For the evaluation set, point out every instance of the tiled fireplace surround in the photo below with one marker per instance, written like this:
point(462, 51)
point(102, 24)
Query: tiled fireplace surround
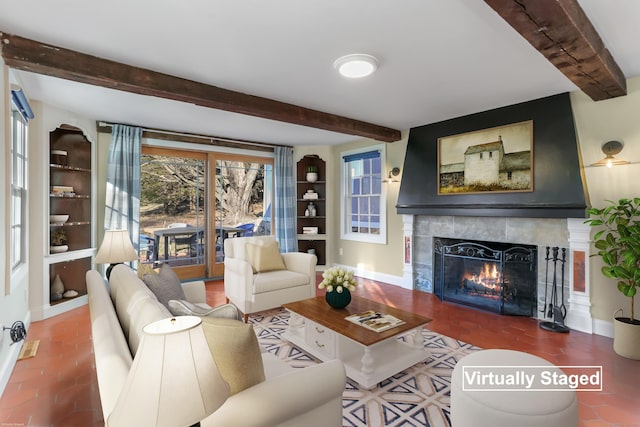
point(569, 233)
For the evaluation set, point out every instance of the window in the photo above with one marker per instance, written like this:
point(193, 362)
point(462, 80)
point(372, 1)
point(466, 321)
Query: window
point(490, 154)
point(363, 207)
point(18, 188)
point(481, 156)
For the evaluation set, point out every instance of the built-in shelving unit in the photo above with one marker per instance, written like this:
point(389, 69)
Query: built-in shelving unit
point(71, 188)
point(315, 241)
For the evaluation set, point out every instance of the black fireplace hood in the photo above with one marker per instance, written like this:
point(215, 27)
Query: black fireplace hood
point(558, 190)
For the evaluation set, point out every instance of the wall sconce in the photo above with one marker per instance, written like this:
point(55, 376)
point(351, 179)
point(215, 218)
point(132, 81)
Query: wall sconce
point(610, 149)
point(393, 172)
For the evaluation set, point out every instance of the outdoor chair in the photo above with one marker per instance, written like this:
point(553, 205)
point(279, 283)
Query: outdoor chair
point(247, 229)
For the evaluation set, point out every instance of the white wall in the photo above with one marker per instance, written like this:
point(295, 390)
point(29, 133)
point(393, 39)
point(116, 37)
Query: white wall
point(596, 123)
point(383, 262)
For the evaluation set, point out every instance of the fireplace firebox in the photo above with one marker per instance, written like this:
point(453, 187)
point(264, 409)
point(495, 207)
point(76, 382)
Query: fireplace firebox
point(493, 276)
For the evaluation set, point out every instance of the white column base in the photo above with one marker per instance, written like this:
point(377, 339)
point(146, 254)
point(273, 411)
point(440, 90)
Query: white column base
point(407, 228)
point(579, 312)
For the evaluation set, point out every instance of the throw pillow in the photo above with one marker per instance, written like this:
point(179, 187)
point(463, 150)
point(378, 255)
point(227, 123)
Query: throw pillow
point(146, 269)
point(235, 349)
point(165, 285)
point(186, 308)
point(265, 257)
point(180, 307)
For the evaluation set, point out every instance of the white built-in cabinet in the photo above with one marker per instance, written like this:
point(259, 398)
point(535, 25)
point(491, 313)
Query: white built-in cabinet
point(63, 182)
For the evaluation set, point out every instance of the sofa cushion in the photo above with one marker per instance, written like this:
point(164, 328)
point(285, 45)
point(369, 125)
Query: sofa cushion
point(165, 285)
point(264, 257)
point(235, 349)
point(276, 280)
point(129, 293)
point(144, 311)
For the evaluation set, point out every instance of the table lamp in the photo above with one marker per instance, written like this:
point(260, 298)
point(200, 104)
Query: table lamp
point(116, 248)
point(173, 381)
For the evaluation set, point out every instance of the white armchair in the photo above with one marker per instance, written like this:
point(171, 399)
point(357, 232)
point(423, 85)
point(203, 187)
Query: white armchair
point(252, 292)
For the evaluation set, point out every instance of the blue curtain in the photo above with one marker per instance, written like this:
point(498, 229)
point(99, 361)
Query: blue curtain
point(284, 203)
point(122, 202)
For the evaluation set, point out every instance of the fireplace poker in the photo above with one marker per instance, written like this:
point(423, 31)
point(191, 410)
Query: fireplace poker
point(554, 294)
point(546, 281)
point(563, 308)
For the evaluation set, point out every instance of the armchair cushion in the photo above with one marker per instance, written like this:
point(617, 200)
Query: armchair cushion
point(276, 280)
point(165, 285)
point(235, 349)
point(264, 257)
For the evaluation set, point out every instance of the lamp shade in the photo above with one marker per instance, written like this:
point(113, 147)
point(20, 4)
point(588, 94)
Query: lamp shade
point(173, 381)
point(116, 247)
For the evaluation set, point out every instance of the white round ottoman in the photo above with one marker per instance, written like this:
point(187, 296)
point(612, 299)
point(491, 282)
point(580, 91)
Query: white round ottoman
point(558, 408)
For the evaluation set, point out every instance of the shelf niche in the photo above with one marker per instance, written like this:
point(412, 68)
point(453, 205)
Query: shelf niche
point(317, 242)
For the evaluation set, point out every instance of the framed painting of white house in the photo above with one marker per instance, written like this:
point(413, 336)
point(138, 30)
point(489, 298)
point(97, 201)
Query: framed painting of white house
point(498, 159)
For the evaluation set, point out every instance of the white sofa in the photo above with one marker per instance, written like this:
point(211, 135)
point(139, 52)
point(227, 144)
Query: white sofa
point(252, 292)
point(288, 397)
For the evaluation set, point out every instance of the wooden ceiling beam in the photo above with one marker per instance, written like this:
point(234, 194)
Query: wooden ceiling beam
point(29, 55)
point(562, 32)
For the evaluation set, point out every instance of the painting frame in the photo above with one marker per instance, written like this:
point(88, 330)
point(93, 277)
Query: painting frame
point(486, 161)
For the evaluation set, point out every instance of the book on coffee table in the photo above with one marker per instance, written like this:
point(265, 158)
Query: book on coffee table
point(375, 320)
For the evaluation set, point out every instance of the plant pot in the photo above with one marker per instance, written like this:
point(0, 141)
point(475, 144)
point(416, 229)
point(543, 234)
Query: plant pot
point(338, 299)
point(312, 176)
point(626, 337)
point(58, 249)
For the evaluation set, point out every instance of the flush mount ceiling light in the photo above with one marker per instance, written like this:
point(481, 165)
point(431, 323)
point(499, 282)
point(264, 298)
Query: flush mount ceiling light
point(356, 65)
point(610, 149)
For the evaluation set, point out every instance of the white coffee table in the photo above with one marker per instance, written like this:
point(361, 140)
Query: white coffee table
point(369, 357)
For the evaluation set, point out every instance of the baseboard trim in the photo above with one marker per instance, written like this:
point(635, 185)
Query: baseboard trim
point(380, 277)
point(603, 327)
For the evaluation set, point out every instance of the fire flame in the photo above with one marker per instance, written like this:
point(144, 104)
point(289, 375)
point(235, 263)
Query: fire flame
point(489, 276)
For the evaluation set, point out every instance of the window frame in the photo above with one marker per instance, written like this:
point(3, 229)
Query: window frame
point(346, 232)
point(18, 189)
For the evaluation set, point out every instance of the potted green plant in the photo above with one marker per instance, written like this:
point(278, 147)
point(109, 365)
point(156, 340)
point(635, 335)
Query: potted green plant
point(58, 241)
point(312, 173)
point(618, 244)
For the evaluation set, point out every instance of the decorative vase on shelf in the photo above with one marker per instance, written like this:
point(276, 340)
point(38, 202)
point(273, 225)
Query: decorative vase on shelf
point(57, 288)
point(338, 299)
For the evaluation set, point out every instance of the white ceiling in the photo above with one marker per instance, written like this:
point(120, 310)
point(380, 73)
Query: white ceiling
point(438, 59)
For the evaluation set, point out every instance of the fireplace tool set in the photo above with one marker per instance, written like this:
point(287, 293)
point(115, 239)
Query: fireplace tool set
point(555, 309)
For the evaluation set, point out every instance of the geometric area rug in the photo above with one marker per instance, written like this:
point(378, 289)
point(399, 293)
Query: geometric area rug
point(417, 396)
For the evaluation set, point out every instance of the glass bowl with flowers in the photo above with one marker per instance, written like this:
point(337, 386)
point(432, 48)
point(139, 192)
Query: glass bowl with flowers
point(338, 284)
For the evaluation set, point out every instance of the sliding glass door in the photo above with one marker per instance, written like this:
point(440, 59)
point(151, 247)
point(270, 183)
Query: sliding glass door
point(192, 201)
point(243, 192)
point(173, 210)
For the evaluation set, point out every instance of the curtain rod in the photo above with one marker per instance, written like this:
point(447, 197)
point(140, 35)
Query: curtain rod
point(209, 139)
